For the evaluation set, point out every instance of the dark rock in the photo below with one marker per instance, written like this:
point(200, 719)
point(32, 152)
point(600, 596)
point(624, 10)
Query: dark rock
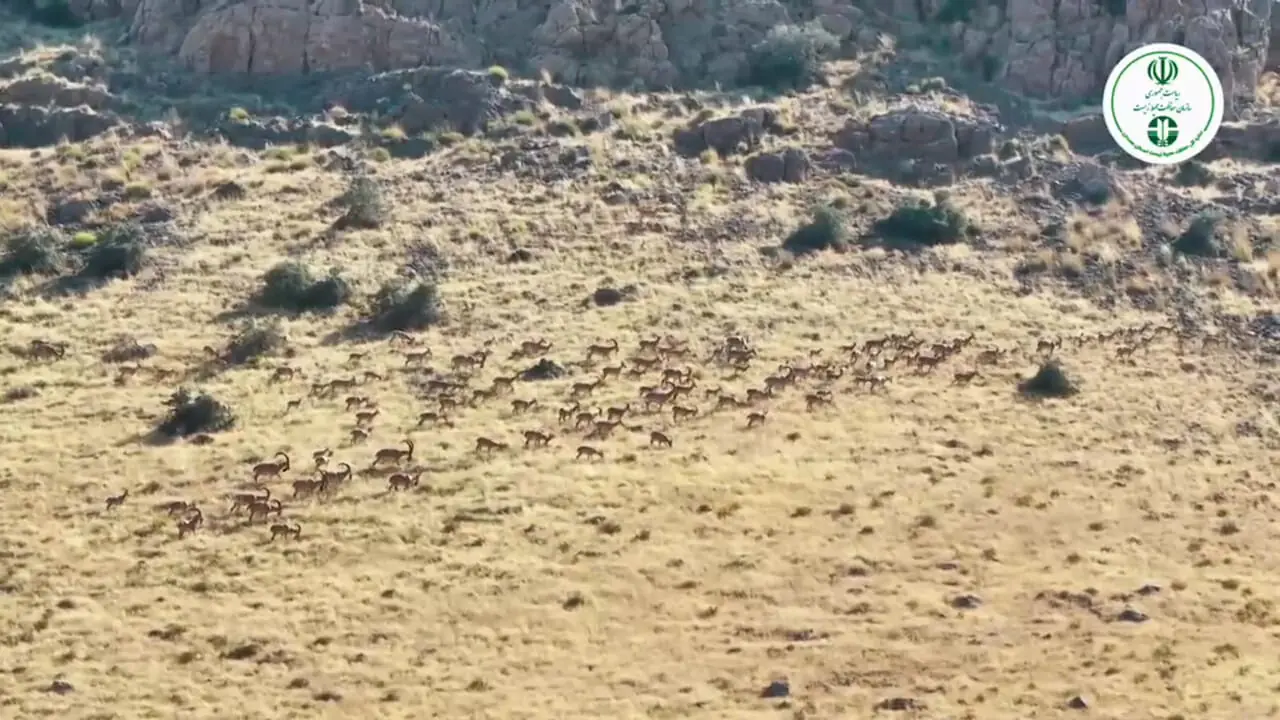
point(1132, 616)
point(607, 296)
point(727, 135)
point(900, 704)
point(60, 687)
point(1086, 182)
point(155, 213)
point(776, 689)
point(70, 212)
point(595, 123)
point(562, 97)
point(410, 148)
point(561, 129)
point(966, 602)
point(230, 190)
point(519, 256)
point(325, 135)
point(432, 98)
point(791, 165)
point(1088, 135)
point(259, 134)
point(1078, 703)
point(28, 126)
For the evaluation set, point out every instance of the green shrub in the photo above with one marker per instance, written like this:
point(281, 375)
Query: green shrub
point(401, 305)
point(789, 56)
point(290, 286)
point(922, 224)
point(255, 341)
point(191, 413)
point(363, 204)
point(1050, 381)
point(35, 251)
point(1193, 173)
point(120, 252)
point(1201, 236)
point(826, 231)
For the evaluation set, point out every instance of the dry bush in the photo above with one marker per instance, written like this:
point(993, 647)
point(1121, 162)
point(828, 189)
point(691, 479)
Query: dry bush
point(290, 286)
point(191, 413)
point(1050, 381)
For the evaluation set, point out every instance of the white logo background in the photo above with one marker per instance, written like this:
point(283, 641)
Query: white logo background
point(1193, 99)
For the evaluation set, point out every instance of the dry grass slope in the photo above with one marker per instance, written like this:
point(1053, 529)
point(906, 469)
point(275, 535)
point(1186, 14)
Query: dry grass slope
point(936, 547)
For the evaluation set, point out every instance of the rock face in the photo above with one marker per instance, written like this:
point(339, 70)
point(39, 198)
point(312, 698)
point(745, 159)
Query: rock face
point(1066, 48)
point(1041, 48)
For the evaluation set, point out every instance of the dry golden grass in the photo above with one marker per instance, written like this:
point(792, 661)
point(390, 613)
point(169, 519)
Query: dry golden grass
point(827, 547)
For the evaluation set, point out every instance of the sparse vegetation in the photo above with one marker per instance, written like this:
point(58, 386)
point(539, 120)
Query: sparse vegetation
point(405, 305)
point(922, 224)
point(1193, 173)
point(1050, 381)
point(362, 204)
point(190, 413)
point(33, 252)
point(1201, 237)
point(255, 341)
point(291, 286)
point(825, 231)
point(120, 252)
point(790, 56)
point(499, 74)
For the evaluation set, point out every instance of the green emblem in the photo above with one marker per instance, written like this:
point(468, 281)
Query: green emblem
point(1162, 70)
point(1162, 131)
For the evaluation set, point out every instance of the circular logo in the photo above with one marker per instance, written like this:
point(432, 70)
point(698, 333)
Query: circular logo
point(1163, 104)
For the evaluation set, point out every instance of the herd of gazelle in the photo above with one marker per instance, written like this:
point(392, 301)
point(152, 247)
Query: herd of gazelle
point(866, 364)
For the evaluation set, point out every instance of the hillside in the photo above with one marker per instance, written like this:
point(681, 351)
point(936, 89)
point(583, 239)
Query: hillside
point(904, 394)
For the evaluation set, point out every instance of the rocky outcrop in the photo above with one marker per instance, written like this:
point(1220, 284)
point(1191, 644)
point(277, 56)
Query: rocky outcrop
point(1041, 48)
point(30, 126)
point(1258, 141)
point(791, 165)
point(1066, 48)
point(917, 146)
point(727, 135)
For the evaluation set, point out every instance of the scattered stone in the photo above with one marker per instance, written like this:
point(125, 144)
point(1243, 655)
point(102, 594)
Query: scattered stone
point(1132, 616)
point(900, 704)
point(966, 602)
point(607, 297)
point(230, 190)
point(70, 212)
point(60, 687)
point(1077, 703)
point(776, 689)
